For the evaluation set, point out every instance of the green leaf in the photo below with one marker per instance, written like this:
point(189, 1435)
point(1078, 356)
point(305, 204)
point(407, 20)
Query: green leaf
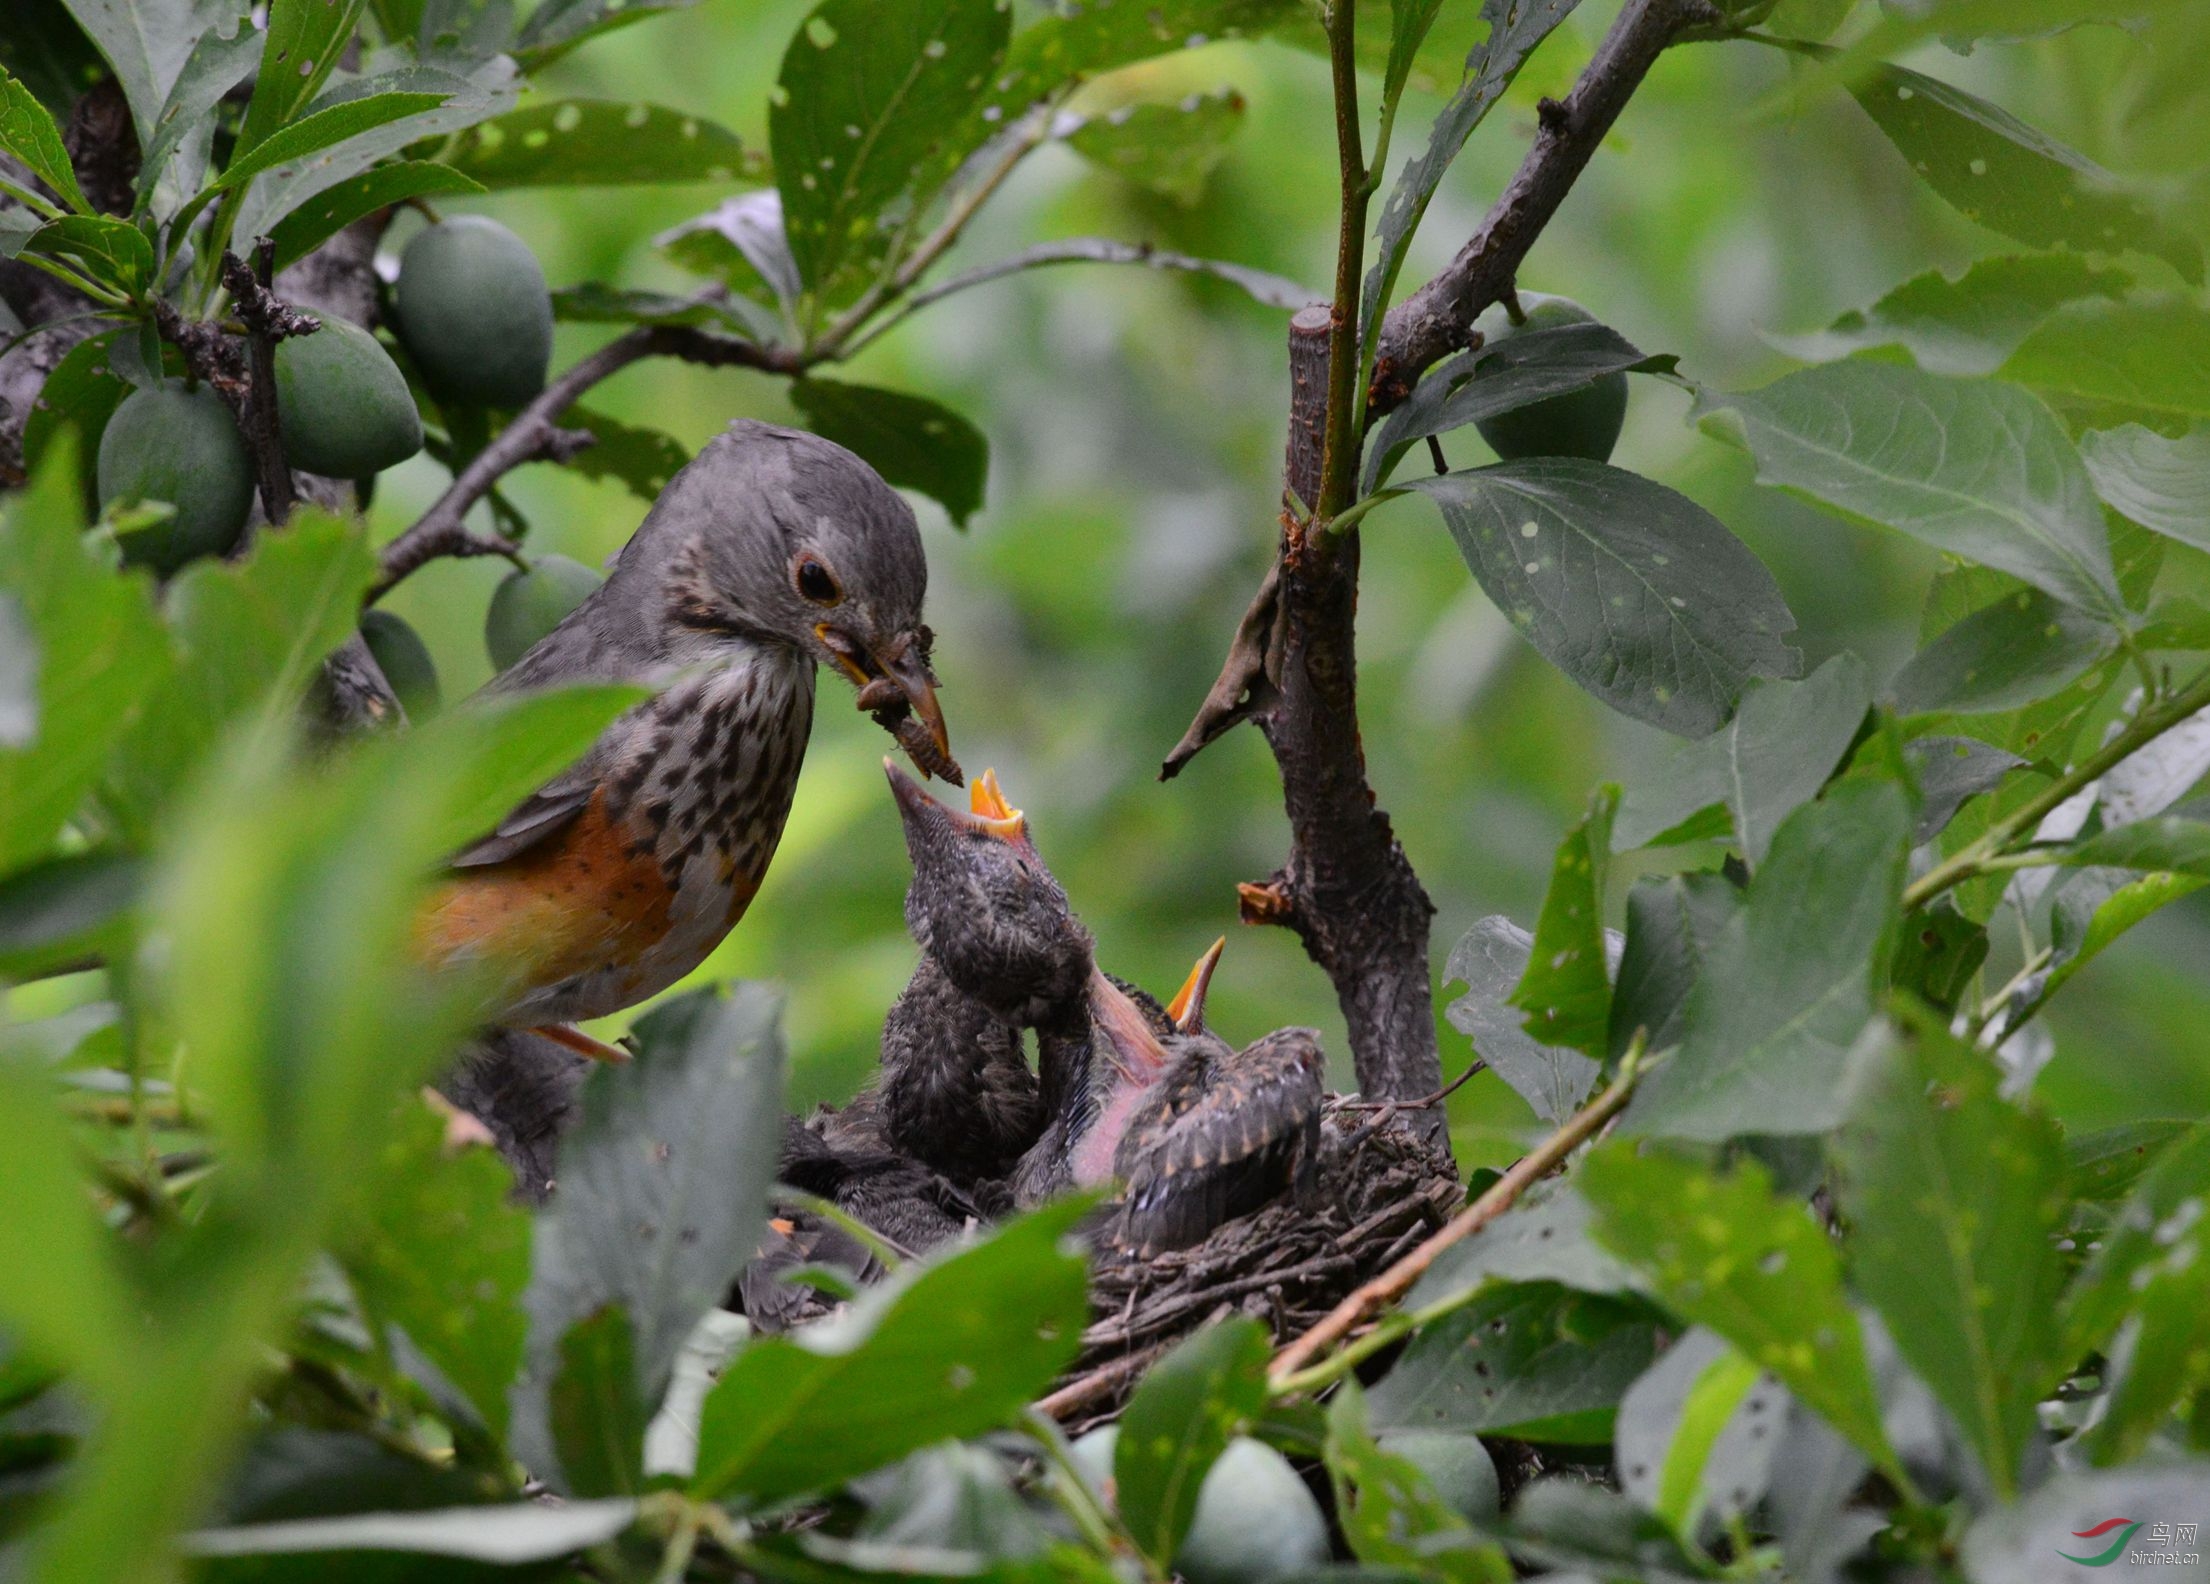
point(558, 26)
point(1697, 1434)
point(1672, 925)
point(1973, 467)
point(2171, 844)
point(911, 441)
point(871, 95)
point(508, 1535)
point(436, 1247)
point(215, 66)
point(598, 1420)
point(2147, 356)
point(1725, 1251)
point(1515, 28)
point(1995, 169)
point(1955, 1198)
point(1541, 1239)
point(1528, 368)
point(663, 1183)
point(99, 656)
point(1566, 990)
point(1169, 149)
point(641, 460)
point(1533, 1361)
point(1589, 1532)
point(593, 302)
point(147, 43)
point(596, 143)
point(112, 252)
point(1937, 954)
point(1491, 959)
point(1274, 291)
point(305, 39)
point(1390, 1512)
point(1409, 21)
point(27, 131)
point(953, 1497)
point(2160, 482)
point(1774, 755)
point(2105, 1164)
point(1635, 592)
point(955, 1346)
point(2031, 1540)
point(79, 396)
point(2085, 921)
point(741, 243)
point(1180, 1419)
point(65, 1301)
point(2020, 650)
point(324, 129)
point(330, 211)
point(249, 635)
point(1058, 50)
point(1789, 983)
point(65, 909)
point(1963, 325)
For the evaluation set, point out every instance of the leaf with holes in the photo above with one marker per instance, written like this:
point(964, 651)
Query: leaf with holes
point(869, 116)
point(956, 1346)
point(1725, 1251)
point(1974, 467)
point(183, 132)
point(305, 39)
point(1955, 1198)
point(2011, 178)
point(2024, 648)
point(1566, 990)
point(1181, 1418)
point(596, 143)
point(1169, 149)
point(558, 26)
point(1073, 42)
point(1773, 756)
point(1390, 1512)
point(1635, 592)
point(1965, 325)
point(1697, 1434)
point(1530, 1360)
point(1789, 983)
point(911, 441)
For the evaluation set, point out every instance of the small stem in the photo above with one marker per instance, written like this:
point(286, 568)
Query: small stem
point(29, 199)
point(1393, 1283)
point(1992, 1006)
point(1099, 1526)
point(675, 1560)
point(1973, 860)
point(1345, 395)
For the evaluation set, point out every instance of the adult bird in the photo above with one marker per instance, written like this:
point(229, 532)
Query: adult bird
point(771, 554)
point(1195, 1131)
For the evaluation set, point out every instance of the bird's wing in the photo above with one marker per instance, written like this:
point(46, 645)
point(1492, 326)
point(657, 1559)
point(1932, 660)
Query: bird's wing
point(1199, 1154)
point(544, 813)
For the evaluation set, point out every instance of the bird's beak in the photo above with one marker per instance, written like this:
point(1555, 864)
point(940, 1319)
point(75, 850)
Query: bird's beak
point(1187, 1009)
point(895, 686)
point(992, 815)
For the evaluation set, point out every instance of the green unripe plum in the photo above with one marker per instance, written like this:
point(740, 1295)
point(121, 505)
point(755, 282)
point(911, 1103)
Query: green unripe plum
point(341, 403)
point(474, 313)
point(528, 605)
point(1582, 423)
point(169, 443)
point(1255, 1519)
point(1458, 1466)
point(405, 661)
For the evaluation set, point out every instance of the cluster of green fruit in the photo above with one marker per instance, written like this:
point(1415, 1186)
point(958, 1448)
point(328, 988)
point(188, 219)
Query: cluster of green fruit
point(473, 313)
point(1256, 1521)
point(528, 603)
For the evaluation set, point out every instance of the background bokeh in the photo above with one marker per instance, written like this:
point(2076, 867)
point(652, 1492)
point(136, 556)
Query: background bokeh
point(1135, 423)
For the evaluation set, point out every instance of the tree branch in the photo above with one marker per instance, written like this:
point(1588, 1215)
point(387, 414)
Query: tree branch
point(535, 433)
point(268, 320)
point(1435, 320)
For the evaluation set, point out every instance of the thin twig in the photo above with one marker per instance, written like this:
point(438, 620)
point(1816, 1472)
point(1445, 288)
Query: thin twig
point(267, 320)
point(1341, 437)
point(1421, 1104)
point(1089, 1386)
point(1397, 1280)
point(535, 432)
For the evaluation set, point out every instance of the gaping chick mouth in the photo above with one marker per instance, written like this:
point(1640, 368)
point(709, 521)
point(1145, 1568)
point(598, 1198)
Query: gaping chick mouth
point(987, 814)
point(897, 687)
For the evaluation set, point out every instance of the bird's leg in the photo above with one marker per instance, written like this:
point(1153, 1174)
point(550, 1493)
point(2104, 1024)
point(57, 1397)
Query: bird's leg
point(583, 1044)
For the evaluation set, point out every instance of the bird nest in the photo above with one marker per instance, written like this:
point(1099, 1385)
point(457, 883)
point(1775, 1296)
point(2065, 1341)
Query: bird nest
point(1379, 1189)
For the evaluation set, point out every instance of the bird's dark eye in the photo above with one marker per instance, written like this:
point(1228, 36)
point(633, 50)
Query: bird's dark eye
point(817, 583)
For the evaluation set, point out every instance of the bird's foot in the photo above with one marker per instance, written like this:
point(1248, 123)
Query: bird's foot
point(583, 1044)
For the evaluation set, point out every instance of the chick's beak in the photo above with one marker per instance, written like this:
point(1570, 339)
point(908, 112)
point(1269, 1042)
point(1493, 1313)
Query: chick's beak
point(992, 816)
point(1187, 1009)
point(895, 686)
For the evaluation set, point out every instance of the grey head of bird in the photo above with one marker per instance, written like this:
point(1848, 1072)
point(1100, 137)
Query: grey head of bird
point(769, 536)
point(983, 904)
